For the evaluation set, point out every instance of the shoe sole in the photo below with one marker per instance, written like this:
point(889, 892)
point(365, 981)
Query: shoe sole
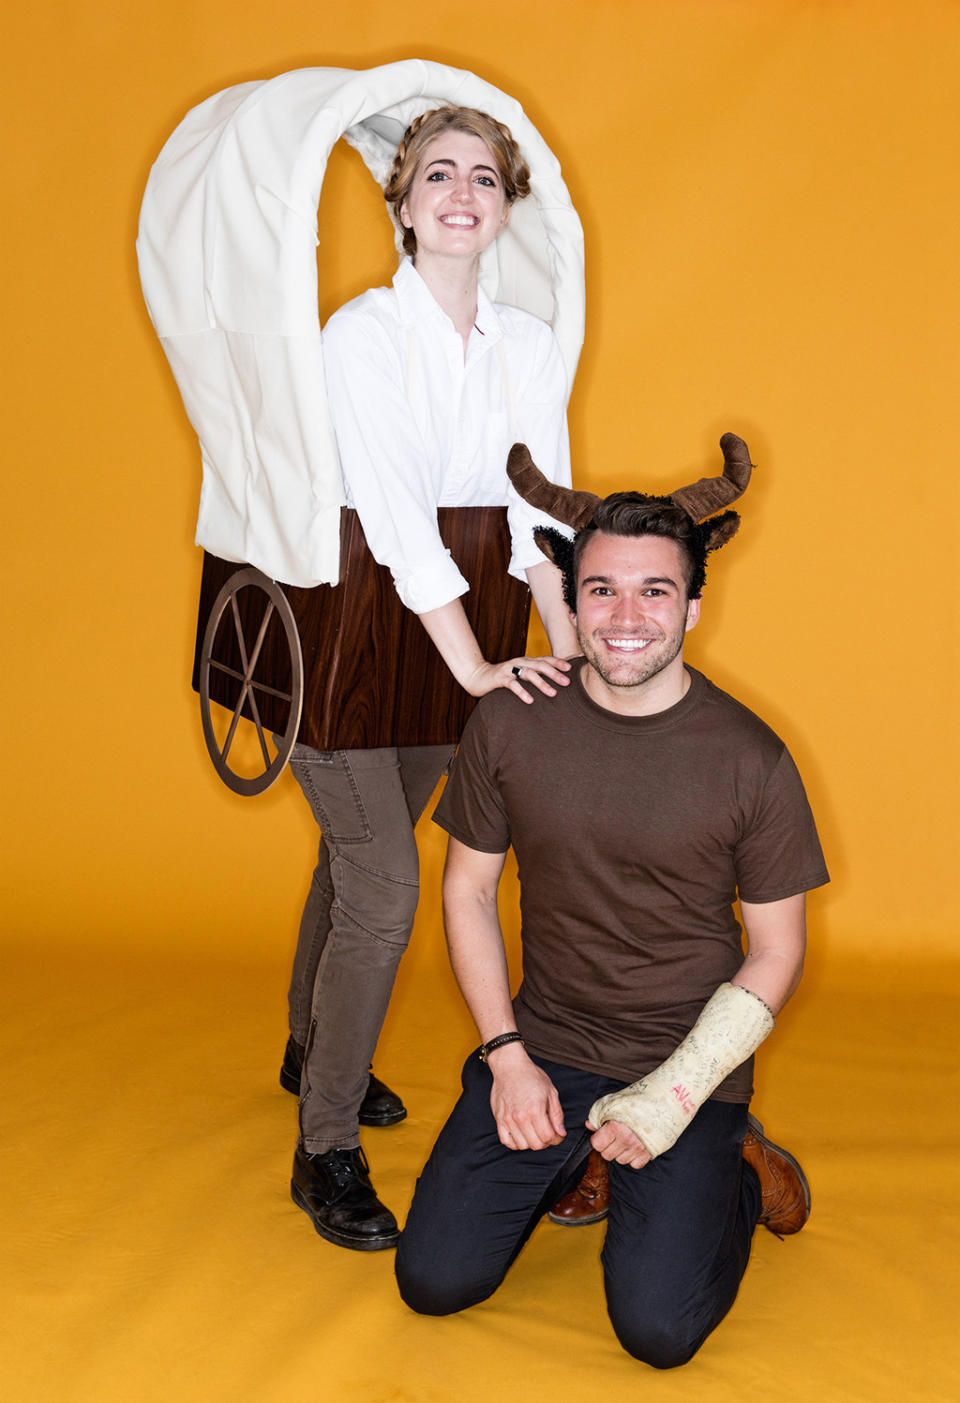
point(356, 1244)
point(391, 1118)
point(578, 1222)
point(292, 1085)
point(754, 1125)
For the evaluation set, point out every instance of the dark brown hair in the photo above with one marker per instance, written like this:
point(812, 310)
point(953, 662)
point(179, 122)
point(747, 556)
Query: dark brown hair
point(633, 514)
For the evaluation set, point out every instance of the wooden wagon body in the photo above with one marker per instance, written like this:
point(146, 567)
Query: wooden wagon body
point(307, 629)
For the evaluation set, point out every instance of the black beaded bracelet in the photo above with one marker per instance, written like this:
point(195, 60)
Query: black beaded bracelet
point(500, 1041)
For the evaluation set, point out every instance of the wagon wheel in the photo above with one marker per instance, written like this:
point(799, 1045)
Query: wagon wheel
point(275, 601)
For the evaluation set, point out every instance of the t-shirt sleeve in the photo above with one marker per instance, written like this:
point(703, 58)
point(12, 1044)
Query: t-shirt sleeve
point(471, 808)
point(779, 853)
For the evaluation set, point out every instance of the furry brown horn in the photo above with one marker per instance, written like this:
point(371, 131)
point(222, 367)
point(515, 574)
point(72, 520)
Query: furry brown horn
point(703, 498)
point(561, 503)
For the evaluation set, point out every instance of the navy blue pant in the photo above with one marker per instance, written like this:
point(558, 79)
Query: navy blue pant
point(677, 1237)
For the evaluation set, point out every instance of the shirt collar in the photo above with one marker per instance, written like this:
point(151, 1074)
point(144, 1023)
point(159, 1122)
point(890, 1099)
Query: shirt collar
point(418, 305)
point(487, 320)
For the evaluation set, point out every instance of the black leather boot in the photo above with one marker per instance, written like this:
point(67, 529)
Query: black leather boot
point(380, 1105)
point(334, 1189)
point(291, 1066)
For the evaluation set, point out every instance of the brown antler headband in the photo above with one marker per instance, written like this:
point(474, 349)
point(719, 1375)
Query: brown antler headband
point(699, 500)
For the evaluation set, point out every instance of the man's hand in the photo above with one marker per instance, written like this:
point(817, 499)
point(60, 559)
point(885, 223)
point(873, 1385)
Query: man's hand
point(524, 1101)
point(616, 1141)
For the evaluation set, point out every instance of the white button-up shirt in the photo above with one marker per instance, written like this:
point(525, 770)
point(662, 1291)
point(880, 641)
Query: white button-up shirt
point(419, 426)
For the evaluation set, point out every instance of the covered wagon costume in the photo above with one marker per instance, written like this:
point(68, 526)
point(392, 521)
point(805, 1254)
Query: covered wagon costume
point(350, 685)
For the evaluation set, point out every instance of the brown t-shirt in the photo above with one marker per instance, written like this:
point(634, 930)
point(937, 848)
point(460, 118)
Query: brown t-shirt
point(633, 837)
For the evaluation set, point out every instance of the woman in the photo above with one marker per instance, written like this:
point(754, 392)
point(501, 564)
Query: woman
point(429, 384)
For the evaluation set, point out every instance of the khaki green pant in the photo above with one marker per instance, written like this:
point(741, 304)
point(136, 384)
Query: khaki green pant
point(356, 922)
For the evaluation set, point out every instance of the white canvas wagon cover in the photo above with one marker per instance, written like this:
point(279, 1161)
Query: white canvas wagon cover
point(227, 253)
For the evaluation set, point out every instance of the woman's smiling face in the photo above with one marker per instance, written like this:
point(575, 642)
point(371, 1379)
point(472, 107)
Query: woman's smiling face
point(456, 204)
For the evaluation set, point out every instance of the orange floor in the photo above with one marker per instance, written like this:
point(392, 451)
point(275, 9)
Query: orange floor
point(152, 1252)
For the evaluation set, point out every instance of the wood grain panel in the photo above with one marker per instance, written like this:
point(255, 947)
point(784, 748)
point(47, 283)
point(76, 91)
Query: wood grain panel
point(372, 676)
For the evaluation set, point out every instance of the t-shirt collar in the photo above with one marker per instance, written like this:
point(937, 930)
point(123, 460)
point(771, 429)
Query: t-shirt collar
point(658, 720)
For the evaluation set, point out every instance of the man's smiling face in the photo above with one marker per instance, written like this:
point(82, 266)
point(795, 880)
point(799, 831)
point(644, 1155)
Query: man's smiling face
point(632, 614)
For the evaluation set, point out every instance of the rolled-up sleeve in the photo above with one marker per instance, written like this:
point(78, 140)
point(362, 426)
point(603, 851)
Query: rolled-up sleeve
point(385, 462)
point(541, 419)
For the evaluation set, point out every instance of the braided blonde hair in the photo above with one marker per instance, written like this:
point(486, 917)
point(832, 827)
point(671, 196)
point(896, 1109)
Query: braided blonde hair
point(513, 169)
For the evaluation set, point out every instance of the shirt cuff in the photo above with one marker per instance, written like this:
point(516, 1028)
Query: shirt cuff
point(524, 551)
point(523, 558)
point(433, 585)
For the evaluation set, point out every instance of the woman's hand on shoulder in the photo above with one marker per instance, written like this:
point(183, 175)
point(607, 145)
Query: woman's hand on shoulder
point(544, 674)
point(457, 645)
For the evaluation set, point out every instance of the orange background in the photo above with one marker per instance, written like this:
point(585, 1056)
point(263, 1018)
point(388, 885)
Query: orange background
point(769, 193)
point(770, 202)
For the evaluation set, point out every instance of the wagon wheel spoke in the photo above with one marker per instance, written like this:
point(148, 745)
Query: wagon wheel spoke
point(238, 630)
point(248, 680)
point(225, 748)
point(217, 666)
point(255, 713)
point(247, 692)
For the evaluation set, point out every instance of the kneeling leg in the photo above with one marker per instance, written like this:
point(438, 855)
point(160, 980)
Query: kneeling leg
point(476, 1203)
point(678, 1239)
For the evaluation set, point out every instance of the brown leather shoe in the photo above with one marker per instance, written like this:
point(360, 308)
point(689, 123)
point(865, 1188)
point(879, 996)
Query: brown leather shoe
point(589, 1201)
point(785, 1205)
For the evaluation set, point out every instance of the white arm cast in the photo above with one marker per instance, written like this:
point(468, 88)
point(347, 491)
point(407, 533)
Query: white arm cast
point(659, 1106)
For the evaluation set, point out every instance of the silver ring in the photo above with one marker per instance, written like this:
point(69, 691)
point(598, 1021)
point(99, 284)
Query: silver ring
point(517, 671)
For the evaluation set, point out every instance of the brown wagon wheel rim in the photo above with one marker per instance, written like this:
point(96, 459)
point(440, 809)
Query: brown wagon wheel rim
point(276, 601)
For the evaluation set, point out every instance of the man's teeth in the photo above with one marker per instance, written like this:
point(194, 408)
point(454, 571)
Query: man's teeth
point(630, 645)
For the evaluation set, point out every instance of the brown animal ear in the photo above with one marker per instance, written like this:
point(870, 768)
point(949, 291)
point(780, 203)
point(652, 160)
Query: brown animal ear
point(545, 540)
point(718, 531)
point(562, 503)
point(703, 498)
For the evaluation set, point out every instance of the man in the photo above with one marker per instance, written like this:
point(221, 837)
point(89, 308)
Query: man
point(639, 806)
